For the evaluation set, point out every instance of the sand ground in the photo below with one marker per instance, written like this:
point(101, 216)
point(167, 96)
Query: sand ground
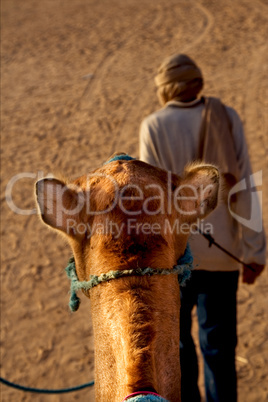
point(77, 79)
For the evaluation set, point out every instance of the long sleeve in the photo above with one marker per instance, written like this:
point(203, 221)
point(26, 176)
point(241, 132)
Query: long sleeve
point(248, 207)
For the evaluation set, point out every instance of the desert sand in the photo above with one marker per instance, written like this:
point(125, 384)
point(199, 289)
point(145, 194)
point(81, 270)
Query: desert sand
point(77, 79)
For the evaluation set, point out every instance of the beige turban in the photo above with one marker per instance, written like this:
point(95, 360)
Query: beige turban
point(177, 68)
point(178, 78)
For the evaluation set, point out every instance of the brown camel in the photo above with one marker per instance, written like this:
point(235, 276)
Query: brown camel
point(124, 216)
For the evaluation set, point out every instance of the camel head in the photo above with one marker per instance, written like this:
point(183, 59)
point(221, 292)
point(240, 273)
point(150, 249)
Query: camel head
point(128, 213)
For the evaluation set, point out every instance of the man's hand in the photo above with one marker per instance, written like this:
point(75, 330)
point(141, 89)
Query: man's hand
point(249, 276)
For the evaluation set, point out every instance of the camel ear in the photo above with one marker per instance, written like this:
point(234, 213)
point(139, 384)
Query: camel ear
point(198, 191)
point(59, 204)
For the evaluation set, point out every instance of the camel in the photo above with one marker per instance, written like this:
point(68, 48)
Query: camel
point(124, 216)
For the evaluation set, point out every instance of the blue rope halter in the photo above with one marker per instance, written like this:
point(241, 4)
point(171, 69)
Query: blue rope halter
point(182, 269)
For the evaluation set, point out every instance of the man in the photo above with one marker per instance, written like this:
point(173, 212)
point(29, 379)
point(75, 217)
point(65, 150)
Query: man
point(187, 128)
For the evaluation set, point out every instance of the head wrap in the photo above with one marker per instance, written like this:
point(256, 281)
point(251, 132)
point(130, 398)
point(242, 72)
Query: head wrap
point(178, 78)
point(177, 68)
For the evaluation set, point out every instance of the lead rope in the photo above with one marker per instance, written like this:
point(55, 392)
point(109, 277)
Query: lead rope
point(45, 391)
point(212, 241)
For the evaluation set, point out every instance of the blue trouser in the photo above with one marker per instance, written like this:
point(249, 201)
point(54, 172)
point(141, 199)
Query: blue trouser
point(214, 294)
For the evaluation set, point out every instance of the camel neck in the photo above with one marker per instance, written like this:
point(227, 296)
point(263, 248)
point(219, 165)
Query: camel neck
point(137, 325)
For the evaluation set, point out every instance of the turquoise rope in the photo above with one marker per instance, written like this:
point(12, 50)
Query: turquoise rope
point(120, 158)
point(182, 269)
point(146, 398)
point(74, 302)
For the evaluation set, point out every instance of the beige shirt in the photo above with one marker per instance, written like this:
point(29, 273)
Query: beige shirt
point(169, 139)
